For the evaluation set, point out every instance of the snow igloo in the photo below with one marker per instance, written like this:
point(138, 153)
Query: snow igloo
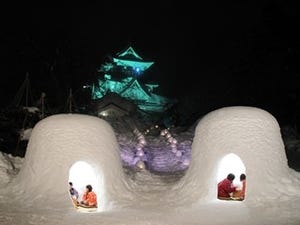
point(249, 141)
point(72, 147)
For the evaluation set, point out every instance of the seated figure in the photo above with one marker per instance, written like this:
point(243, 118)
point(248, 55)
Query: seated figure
point(89, 198)
point(239, 194)
point(73, 192)
point(226, 188)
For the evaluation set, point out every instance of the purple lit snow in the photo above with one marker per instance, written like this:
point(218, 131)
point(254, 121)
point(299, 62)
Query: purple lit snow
point(163, 151)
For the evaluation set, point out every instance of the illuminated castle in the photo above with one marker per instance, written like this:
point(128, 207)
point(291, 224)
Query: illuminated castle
point(120, 76)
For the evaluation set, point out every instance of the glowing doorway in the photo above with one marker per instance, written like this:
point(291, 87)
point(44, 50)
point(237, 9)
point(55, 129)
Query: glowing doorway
point(82, 174)
point(231, 163)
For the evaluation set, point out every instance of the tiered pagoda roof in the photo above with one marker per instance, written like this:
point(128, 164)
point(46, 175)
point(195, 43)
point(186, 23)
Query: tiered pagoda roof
point(128, 86)
point(129, 58)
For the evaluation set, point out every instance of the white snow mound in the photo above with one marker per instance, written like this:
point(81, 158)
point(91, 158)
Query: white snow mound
point(59, 142)
point(253, 136)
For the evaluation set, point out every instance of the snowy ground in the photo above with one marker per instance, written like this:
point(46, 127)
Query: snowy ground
point(154, 197)
point(152, 210)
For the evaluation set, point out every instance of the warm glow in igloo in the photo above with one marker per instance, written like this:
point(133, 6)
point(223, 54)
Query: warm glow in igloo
point(82, 174)
point(231, 163)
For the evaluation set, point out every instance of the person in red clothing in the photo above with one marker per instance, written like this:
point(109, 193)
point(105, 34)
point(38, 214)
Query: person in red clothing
point(226, 188)
point(89, 198)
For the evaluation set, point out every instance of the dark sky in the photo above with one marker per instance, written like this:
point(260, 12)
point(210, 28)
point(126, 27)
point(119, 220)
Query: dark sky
point(219, 53)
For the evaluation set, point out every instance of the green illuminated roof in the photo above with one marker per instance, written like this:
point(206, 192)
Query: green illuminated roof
point(129, 58)
point(129, 53)
point(126, 64)
point(131, 89)
point(134, 64)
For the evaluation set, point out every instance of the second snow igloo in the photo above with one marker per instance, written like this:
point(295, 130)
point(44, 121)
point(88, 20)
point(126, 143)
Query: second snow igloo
point(251, 135)
point(76, 148)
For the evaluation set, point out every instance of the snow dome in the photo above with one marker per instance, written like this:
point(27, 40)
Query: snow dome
point(71, 147)
point(237, 140)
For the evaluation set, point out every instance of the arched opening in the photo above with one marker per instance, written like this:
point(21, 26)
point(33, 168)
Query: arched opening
point(82, 174)
point(231, 187)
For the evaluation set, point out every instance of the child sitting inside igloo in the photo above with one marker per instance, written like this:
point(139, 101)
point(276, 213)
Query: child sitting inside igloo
point(226, 188)
point(89, 198)
point(239, 194)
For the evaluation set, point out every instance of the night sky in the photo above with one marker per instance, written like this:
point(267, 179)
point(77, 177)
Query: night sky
point(214, 54)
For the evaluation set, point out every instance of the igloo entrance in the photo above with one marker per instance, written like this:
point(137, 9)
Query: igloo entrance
point(231, 164)
point(82, 174)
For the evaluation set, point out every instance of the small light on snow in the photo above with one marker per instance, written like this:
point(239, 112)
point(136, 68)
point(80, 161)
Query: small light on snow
point(142, 141)
point(140, 153)
point(140, 165)
point(186, 162)
point(178, 153)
